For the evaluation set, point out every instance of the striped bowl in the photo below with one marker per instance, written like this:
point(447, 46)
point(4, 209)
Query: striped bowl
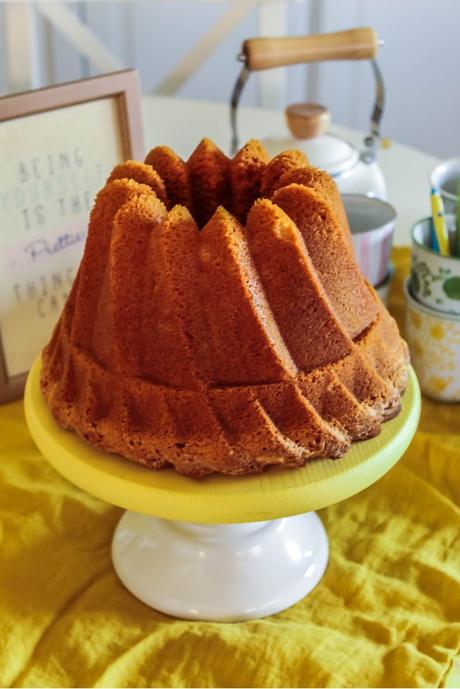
point(372, 223)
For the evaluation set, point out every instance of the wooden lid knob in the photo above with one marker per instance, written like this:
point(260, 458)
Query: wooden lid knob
point(307, 120)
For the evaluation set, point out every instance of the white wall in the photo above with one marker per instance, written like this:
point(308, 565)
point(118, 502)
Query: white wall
point(420, 58)
point(153, 35)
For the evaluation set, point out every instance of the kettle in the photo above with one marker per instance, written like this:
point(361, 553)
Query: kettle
point(354, 171)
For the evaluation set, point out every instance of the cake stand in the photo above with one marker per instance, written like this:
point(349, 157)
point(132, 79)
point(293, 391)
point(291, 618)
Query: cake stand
point(224, 548)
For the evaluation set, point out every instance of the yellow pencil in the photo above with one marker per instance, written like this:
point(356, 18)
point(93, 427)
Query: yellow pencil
point(439, 222)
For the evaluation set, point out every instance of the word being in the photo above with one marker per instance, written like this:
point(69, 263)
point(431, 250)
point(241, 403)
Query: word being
point(50, 164)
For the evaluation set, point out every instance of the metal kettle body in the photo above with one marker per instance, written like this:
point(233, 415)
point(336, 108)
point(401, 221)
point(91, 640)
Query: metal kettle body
point(352, 171)
point(364, 178)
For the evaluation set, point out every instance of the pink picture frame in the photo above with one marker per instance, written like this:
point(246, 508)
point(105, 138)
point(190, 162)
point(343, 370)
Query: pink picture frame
point(122, 91)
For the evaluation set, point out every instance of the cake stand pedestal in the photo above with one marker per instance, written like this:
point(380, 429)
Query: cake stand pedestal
point(225, 548)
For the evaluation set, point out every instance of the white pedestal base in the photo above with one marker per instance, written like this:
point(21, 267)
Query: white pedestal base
point(224, 572)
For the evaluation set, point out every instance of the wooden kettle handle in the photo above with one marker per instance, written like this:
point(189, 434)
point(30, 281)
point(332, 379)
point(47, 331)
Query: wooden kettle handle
point(354, 44)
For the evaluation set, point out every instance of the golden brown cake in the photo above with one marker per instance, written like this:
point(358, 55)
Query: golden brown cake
point(219, 321)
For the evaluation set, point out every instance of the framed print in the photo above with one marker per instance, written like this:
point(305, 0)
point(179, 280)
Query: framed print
point(57, 147)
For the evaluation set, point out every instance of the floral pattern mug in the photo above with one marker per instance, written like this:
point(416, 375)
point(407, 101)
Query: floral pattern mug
point(435, 279)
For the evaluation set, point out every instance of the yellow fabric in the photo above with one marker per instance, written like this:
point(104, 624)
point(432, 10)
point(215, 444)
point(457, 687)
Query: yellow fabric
point(386, 613)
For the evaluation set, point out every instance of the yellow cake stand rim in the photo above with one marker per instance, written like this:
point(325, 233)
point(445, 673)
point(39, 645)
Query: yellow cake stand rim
point(219, 499)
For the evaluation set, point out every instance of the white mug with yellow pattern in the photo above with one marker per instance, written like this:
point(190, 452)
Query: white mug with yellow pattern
point(434, 342)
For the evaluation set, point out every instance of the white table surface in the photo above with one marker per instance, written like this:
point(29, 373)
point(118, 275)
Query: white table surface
point(181, 124)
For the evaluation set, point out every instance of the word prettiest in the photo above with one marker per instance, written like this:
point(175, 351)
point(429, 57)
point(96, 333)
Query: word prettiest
point(46, 247)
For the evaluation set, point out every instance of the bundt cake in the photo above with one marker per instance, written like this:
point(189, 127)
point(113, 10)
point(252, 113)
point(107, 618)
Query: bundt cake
point(219, 321)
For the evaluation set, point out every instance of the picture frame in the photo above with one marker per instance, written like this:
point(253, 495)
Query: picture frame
point(57, 147)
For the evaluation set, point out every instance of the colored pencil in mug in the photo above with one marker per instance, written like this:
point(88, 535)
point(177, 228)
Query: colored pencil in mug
point(439, 222)
point(434, 241)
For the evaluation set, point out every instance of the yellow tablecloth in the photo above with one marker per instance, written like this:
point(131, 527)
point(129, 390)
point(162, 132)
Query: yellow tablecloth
point(387, 612)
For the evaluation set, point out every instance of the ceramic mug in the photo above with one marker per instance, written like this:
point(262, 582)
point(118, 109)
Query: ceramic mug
point(435, 279)
point(446, 177)
point(434, 343)
point(372, 223)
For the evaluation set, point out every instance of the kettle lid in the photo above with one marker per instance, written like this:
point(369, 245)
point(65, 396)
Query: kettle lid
point(330, 153)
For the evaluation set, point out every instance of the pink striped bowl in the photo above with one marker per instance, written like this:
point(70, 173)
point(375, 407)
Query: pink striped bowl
point(372, 223)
